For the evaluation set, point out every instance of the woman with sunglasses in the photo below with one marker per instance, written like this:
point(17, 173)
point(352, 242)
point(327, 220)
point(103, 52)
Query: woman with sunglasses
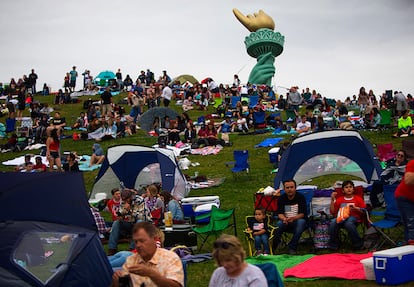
point(233, 270)
point(392, 174)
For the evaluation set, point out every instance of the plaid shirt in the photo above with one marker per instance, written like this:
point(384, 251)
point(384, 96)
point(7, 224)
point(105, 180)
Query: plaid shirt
point(100, 222)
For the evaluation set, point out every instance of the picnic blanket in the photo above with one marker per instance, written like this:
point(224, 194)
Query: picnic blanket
point(282, 132)
point(83, 162)
point(20, 160)
point(336, 265)
point(282, 262)
point(211, 182)
point(207, 150)
point(269, 142)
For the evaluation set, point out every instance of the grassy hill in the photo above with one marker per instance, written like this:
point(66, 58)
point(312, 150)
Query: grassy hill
point(234, 192)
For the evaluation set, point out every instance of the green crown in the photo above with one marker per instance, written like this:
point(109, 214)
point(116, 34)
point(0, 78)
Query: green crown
point(264, 41)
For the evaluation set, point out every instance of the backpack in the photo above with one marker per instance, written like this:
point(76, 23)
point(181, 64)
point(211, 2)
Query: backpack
point(321, 237)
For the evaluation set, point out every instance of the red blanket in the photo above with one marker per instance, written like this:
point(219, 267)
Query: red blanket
point(343, 266)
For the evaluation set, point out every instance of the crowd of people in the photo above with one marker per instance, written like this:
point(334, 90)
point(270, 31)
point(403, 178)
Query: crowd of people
point(137, 214)
point(347, 209)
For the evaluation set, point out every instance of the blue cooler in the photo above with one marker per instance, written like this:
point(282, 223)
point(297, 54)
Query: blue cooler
point(273, 153)
point(394, 266)
point(190, 204)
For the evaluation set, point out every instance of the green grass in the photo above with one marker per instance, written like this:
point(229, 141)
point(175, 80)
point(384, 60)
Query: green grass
point(234, 192)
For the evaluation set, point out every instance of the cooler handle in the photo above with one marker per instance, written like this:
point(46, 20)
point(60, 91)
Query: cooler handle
point(380, 263)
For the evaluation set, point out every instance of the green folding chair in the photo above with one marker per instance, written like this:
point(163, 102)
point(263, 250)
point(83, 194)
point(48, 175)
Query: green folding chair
point(385, 118)
point(219, 221)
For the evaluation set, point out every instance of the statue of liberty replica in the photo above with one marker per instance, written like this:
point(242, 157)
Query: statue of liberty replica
point(263, 44)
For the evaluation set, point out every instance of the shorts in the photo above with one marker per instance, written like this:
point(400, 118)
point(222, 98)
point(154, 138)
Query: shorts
point(72, 83)
point(54, 154)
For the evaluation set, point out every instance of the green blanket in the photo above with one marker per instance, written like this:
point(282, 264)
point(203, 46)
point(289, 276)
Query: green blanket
point(282, 262)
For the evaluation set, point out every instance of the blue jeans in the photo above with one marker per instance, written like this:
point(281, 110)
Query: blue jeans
point(350, 224)
point(119, 258)
point(118, 227)
point(260, 240)
point(406, 208)
point(297, 227)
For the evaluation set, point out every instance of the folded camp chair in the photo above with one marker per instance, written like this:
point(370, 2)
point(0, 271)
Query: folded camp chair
point(220, 220)
point(389, 227)
point(386, 151)
point(241, 162)
point(250, 237)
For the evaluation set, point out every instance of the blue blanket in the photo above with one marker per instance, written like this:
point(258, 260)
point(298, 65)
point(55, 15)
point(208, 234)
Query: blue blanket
point(84, 164)
point(269, 142)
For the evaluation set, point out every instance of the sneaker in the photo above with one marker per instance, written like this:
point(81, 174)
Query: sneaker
point(258, 252)
point(265, 254)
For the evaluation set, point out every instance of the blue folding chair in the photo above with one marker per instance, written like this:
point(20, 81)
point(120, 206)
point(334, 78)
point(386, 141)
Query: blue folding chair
point(241, 163)
point(234, 101)
point(259, 119)
point(253, 100)
point(390, 226)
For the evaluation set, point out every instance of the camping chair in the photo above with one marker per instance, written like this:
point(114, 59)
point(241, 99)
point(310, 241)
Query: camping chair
point(386, 151)
point(241, 162)
point(253, 100)
point(250, 238)
point(385, 118)
point(308, 193)
point(234, 101)
point(259, 119)
point(220, 220)
point(389, 227)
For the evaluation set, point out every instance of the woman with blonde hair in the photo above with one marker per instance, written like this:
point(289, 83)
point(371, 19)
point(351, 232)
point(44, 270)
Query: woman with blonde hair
point(233, 270)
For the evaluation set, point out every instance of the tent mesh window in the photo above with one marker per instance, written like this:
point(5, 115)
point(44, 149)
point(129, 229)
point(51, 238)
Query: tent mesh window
point(39, 253)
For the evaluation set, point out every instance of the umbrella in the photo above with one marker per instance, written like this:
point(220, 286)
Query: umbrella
point(106, 75)
point(147, 118)
point(102, 80)
point(185, 78)
point(205, 80)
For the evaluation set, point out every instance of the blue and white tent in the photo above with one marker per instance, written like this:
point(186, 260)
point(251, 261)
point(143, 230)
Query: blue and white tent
point(138, 166)
point(330, 152)
point(48, 233)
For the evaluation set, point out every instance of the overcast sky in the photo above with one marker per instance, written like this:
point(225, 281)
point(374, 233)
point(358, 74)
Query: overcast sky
point(334, 47)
